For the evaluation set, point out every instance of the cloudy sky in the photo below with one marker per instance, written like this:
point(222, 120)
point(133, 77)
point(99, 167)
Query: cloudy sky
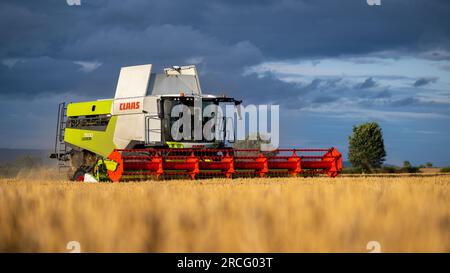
point(328, 64)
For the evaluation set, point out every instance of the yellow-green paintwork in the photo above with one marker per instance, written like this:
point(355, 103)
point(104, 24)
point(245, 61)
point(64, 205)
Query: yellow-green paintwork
point(102, 107)
point(110, 166)
point(173, 144)
point(99, 142)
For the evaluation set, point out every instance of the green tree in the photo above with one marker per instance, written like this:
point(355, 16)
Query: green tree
point(366, 146)
point(409, 168)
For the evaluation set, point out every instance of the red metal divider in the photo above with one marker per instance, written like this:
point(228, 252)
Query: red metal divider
point(137, 164)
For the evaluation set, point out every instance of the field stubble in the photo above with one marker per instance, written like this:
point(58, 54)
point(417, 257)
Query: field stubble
point(404, 214)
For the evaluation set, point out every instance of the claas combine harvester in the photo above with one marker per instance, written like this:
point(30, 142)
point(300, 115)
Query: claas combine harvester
point(129, 137)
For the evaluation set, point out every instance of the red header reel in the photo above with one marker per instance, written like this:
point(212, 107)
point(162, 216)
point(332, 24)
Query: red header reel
point(137, 164)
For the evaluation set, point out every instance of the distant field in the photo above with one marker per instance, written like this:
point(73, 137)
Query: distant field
point(406, 214)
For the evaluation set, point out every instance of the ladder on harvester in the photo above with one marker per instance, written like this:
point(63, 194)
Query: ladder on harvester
point(61, 153)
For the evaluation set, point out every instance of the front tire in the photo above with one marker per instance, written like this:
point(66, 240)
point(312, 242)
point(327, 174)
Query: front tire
point(78, 176)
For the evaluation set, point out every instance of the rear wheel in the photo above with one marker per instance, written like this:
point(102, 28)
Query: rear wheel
point(82, 158)
point(79, 175)
point(78, 161)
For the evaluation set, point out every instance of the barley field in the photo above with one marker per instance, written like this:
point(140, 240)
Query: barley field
point(403, 214)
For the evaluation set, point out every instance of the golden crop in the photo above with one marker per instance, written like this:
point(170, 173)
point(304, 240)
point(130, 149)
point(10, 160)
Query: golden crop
point(406, 214)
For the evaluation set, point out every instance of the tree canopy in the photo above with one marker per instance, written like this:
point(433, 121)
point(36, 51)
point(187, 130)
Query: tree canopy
point(366, 146)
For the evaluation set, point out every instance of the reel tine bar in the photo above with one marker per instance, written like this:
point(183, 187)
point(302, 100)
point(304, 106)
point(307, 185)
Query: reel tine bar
point(229, 163)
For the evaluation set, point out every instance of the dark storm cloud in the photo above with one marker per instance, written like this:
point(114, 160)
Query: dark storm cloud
point(254, 89)
point(226, 36)
point(436, 55)
point(424, 81)
point(306, 28)
point(383, 94)
point(325, 99)
point(318, 91)
point(368, 83)
point(404, 102)
point(42, 75)
point(323, 91)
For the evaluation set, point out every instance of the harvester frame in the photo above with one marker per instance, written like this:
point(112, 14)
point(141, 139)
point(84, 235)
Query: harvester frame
point(128, 137)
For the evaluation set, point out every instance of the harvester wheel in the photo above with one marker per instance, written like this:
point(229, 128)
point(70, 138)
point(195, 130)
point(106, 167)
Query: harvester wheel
point(116, 174)
point(79, 175)
point(80, 159)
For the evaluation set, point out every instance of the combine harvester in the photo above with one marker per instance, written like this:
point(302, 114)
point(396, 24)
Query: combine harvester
point(129, 137)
